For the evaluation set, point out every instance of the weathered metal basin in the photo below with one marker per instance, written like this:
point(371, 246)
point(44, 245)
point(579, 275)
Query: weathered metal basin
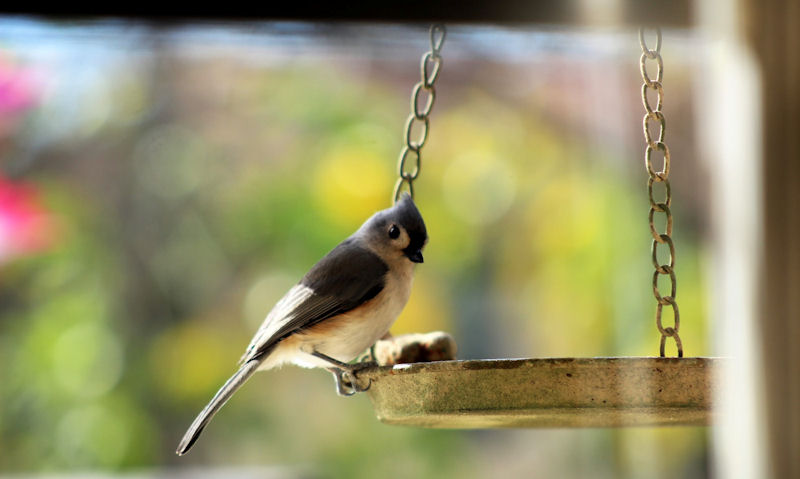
point(557, 392)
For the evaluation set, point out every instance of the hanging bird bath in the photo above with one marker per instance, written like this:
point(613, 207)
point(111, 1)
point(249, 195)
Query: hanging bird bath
point(556, 392)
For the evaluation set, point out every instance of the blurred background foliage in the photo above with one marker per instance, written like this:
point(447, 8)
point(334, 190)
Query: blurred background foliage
point(162, 187)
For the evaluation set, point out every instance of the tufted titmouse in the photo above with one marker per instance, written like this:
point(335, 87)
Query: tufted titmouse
point(342, 306)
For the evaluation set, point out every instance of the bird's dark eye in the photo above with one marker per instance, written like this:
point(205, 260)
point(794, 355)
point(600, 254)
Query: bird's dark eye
point(394, 232)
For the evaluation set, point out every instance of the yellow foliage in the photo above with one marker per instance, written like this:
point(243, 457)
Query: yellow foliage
point(350, 184)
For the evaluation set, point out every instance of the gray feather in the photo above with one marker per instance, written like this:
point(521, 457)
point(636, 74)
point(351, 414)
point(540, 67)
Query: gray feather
point(216, 403)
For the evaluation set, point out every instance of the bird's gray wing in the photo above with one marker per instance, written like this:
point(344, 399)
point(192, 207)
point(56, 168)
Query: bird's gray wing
point(345, 278)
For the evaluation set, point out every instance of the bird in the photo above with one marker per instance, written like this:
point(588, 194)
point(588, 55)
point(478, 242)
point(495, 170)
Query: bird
point(346, 302)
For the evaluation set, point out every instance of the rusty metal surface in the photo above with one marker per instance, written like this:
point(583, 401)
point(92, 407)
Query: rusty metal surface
point(571, 392)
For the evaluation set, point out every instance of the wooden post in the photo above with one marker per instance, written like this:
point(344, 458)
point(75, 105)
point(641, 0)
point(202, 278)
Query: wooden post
point(772, 29)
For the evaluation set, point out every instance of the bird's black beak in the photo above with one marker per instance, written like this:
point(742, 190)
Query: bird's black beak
point(415, 256)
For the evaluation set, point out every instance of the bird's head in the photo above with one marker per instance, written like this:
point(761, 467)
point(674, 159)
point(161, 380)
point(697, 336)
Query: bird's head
point(396, 232)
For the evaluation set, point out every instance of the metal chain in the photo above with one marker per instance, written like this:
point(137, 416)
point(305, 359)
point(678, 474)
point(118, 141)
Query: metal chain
point(655, 116)
point(410, 160)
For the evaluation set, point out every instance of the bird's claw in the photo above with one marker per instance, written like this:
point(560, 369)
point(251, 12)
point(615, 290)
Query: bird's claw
point(347, 383)
point(351, 382)
point(343, 387)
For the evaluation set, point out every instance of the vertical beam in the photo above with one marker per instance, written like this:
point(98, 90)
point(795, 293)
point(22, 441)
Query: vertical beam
point(773, 32)
point(730, 129)
point(752, 140)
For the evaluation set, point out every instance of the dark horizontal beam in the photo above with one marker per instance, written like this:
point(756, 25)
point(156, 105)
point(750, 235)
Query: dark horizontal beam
point(675, 13)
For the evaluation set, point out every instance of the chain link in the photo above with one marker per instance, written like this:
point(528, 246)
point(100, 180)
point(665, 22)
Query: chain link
point(410, 161)
point(652, 117)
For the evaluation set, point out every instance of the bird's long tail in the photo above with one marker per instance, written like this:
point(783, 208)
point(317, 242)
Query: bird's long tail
point(225, 392)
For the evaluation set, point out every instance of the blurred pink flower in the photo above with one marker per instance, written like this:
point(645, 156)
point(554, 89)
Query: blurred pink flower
point(25, 224)
point(18, 90)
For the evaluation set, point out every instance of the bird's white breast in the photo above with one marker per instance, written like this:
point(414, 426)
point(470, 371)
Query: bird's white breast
point(345, 336)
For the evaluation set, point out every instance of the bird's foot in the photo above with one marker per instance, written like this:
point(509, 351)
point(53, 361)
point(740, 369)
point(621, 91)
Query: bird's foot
point(350, 376)
point(346, 375)
point(343, 387)
point(347, 381)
